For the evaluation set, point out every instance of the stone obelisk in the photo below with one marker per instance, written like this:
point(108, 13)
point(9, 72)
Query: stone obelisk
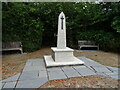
point(61, 39)
point(61, 55)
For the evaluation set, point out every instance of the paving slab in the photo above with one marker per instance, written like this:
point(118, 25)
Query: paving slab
point(94, 64)
point(86, 62)
point(13, 78)
point(35, 62)
point(38, 62)
point(9, 85)
point(87, 59)
point(31, 60)
point(54, 69)
point(2, 85)
point(70, 72)
point(101, 69)
point(90, 68)
point(114, 75)
point(28, 63)
point(56, 73)
point(89, 62)
point(84, 71)
point(113, 69)
point(102, 74)
point(116, 71)
point(33, 68)
point(43, 74)
point(27, 75)
point(34, 83)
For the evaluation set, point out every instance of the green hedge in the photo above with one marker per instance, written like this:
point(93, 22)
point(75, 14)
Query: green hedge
point(36, 23)
point(20, 24)
point(107, 40)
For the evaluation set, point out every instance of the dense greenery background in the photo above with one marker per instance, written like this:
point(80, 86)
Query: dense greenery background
point(35, 24)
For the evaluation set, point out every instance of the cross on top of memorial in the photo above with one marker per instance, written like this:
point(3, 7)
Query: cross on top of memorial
point(62, 22)
point(61, 38)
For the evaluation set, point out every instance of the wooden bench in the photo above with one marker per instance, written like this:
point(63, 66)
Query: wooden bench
point(85, 43)
point(7, 46)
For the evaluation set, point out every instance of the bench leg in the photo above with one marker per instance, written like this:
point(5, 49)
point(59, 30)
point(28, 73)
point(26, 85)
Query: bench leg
point(21, 51)
point(98, 47)
point(79, 48)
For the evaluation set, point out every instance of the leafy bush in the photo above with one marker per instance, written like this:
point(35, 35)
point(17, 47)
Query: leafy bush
point(116, 23)
point(26, 21)
point(19, 24)
point(106, 40)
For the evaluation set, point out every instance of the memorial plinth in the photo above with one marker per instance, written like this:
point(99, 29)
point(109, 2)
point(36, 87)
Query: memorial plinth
point(61, 55)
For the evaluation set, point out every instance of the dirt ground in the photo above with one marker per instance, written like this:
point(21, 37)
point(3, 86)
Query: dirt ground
point(14, 64)
point(105, 58)
point(83, 82)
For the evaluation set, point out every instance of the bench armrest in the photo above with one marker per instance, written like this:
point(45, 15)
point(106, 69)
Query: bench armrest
point(21, 45)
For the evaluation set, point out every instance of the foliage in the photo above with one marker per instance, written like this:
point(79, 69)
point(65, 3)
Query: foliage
point(35, 24)
point(96, 36)
point(116, 23)
point(20, 25)
point(114, 14)
point(107, 40)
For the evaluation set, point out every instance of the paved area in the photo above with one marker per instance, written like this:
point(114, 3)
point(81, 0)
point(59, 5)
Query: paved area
point(36, 74)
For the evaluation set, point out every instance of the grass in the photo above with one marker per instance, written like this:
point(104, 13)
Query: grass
point(14, 64)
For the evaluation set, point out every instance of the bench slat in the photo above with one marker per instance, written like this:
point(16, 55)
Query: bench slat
point(11, 49)
point(6, 46)
point(89, 46)
point(85, 43)
point(11, 44)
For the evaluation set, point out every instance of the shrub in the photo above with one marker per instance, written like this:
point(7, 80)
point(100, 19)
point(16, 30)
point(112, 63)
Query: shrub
point(107, 40)
point(20, 24)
